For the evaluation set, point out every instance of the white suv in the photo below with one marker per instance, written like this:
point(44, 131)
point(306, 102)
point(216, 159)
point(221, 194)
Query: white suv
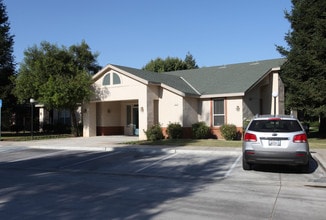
point(275, 140)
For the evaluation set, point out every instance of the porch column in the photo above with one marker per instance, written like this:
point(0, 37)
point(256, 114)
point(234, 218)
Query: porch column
point(275, 90)
point(89, 119)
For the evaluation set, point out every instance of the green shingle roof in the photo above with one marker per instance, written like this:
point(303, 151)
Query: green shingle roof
point(234, 78)
point(173, 81)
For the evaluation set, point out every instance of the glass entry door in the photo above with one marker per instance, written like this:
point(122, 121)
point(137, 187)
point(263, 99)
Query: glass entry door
point(133, 118)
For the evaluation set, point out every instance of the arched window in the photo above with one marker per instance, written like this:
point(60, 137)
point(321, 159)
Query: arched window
point(108, 81)
point(116, 79)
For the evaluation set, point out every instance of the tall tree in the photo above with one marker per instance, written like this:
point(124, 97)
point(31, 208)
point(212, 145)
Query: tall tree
point(7, 67)
point(169, 64)
point(190, 62)
point(58, 77)
point(304, 73)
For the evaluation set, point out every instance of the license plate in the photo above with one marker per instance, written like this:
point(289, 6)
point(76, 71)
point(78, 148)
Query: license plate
point(274, 142)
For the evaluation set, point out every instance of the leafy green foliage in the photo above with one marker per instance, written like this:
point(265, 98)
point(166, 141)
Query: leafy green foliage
point(174, 130)
point(304, 73)
point(200, 130)
point(57, 77)
point(7, 68)
point(171, 64)
point(154, 133)
point(229, 131)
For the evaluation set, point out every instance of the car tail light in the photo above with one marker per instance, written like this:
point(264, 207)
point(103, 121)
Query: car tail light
point(300, 154)
point(250, 137)
point(274, 119)
point(300, 138)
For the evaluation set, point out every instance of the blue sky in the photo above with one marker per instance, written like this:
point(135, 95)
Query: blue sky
point(132, 32)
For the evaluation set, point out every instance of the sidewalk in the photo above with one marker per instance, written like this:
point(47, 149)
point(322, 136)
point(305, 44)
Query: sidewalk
point(110, 143)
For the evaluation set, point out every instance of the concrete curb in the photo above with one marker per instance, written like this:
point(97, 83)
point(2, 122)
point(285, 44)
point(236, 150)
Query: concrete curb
point(320, 160)
point(147, 149)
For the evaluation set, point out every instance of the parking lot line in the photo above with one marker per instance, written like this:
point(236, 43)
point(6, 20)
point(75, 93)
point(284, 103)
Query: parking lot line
point(152, 164)
point(94, 158)
point(35, 157)
point(233, 166)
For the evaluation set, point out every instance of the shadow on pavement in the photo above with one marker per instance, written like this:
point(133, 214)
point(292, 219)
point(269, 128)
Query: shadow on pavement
point(61, 187)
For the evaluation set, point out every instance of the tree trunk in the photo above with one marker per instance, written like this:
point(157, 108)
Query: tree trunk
point(322, 125)
point(74, 124)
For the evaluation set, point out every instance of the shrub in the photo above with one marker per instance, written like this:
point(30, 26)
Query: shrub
point(200, 130)
point(174, 130)
point(229, 131)
point(154, 133)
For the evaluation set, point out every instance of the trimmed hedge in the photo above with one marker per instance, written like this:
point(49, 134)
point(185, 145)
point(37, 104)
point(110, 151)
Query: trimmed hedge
point(154, 133)
point(200, 130)
point(174, 131)
point(229, 131)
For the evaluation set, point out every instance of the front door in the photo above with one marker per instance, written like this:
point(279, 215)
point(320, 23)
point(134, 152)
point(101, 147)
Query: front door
point(135, 119)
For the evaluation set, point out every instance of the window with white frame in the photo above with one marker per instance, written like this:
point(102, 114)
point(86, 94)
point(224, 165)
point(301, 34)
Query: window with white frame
point(218, 112)
point(111, 79)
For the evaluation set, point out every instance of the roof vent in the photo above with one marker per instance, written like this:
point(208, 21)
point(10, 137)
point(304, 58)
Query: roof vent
point(254, 63)
point(222, 67)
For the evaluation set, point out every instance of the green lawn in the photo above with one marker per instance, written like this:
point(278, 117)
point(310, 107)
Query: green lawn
point(319, 143)
point(313, 142)
point(28, 137)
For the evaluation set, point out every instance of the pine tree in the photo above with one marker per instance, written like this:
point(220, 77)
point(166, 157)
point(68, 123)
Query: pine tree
point(304, 73)
point(7, 67)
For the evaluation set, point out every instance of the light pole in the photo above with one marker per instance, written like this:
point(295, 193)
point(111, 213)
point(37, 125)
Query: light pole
point(275, 94)
point(32, 101)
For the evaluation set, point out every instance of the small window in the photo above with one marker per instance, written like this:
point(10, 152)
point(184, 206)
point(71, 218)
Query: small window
point(106, 79)
point(218, 112)
point(116, 79)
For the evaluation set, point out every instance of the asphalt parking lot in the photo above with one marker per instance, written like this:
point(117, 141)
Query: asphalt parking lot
point(154, 163)
point(62, 180)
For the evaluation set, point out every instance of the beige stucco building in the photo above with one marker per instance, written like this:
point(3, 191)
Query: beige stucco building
point(128, 101)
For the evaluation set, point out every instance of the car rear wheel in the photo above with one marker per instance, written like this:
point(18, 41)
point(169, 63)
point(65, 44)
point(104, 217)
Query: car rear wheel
point(305, 168)
point(246, 165)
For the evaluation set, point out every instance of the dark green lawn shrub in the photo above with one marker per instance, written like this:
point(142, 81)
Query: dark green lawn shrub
point(154, 133)
point(229, 131)
point(174, 130)
point(200, 130)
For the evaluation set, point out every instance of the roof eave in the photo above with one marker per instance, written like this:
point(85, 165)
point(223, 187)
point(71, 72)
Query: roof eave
point(222, 95)
point(111, 67)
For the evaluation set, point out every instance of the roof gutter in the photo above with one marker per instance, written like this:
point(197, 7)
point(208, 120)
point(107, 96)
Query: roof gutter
point(221, 95)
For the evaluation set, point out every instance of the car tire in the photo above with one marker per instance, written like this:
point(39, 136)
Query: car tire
point(305, 168)
point(245, 165)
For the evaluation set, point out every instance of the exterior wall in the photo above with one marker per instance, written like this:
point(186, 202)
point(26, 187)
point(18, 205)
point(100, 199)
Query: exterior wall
point(107, 112)
point(108, 118)
point(129, 89)
point(259, 99)
point(170, 108)
point(234, 111)
point(205, 109)
point(190, 111)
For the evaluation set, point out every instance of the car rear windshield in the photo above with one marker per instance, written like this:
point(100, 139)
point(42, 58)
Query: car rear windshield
point(275, 126)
